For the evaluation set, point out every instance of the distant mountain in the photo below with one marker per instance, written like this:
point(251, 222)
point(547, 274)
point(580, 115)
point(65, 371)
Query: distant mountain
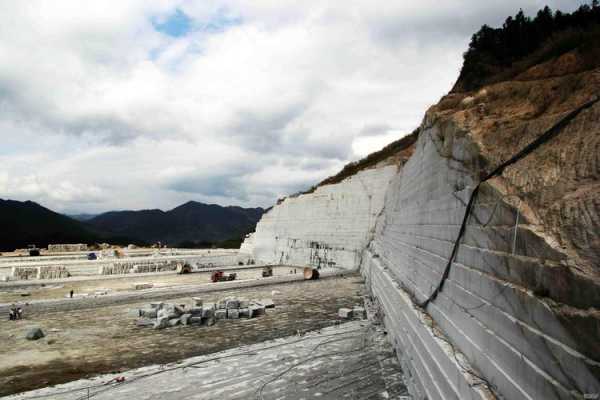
point(82, 217)
point(190, 222)
point(24, 223)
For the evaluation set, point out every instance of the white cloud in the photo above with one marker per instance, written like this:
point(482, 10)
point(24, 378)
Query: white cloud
point(99, 110)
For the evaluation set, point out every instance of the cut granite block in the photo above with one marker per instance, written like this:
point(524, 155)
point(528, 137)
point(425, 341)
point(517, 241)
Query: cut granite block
point(268, 303)
point(161, 323)
point(244, 313)
point(232, 304)
point(359, 313)
point(185, 319)
point(196, 311)
point(145, 322)
point(134, 312)
point(207, 312)
point(148, 313)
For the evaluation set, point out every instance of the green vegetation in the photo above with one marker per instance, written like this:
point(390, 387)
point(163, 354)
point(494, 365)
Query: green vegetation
point(496, 54)
point(198, 225)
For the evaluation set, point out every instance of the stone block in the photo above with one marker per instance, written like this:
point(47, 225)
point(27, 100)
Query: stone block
point(161, 322)
point(233, 313)
point(244, 313)
point(174, 321)
point(268, 303)
point(134, 312)
point(180, 309)
point(197, 301)
point(244, 303)
point(148, 313)
point(256, 310)
point(345, 313)
point(196, 311)
point(211, 321)
point(141, 286)
point(220, 314)
point(207, 312)
point(359, 313)
point(185, 319)
point(145, 322)
point(166, 313)
point(34, 334)
point(209, 305)
point(195, 321)
point(157, 306)
point(232, 304)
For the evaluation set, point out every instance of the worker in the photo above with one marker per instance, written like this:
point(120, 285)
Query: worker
point(12, 313)
point(71, 293)
point(19, 313)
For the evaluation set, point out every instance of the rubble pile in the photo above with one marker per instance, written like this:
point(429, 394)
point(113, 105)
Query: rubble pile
point(164, 315)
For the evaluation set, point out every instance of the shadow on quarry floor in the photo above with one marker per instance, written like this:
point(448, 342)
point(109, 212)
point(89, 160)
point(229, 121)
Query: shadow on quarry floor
point(85, 343)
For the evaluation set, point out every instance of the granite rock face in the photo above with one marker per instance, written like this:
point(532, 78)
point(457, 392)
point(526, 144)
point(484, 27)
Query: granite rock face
point(518, 316)
point(333, 233)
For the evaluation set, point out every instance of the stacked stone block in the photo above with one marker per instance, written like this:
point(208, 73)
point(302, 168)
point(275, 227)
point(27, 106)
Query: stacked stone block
point(165, 315)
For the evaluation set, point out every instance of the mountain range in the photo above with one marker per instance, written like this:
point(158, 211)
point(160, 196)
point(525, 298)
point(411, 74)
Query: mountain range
point(192, 224)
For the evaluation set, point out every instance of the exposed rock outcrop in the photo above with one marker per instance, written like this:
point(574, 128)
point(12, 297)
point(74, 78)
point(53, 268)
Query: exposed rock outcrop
point(518, 316)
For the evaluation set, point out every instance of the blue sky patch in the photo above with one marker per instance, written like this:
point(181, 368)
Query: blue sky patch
point(178, 24)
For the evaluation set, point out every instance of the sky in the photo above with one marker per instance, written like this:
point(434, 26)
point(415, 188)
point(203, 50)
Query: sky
point(137, 104)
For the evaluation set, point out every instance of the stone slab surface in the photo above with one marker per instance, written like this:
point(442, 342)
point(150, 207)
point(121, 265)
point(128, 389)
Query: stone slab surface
point(348, 361)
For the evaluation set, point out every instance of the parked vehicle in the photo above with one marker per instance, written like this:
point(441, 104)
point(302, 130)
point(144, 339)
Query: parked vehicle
point(219, 276)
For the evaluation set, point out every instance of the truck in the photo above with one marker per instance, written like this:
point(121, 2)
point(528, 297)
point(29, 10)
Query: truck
point(220, 276)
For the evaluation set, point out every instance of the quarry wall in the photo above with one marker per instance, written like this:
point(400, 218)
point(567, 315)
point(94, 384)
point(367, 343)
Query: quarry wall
point(327, 228)
point(513, 320)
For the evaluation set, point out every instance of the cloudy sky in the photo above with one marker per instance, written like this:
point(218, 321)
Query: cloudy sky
point(148, 104)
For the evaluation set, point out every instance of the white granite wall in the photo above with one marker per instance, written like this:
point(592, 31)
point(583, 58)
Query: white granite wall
point(494, 308)
point(513, 320)
point(327, 228)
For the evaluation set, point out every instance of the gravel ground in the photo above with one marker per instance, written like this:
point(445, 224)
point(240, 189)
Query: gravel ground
point(85, 343)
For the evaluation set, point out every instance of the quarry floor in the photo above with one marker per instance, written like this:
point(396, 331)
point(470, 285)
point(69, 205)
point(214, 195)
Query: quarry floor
point(88, 342)
point(24, 291)
point(352, 360)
